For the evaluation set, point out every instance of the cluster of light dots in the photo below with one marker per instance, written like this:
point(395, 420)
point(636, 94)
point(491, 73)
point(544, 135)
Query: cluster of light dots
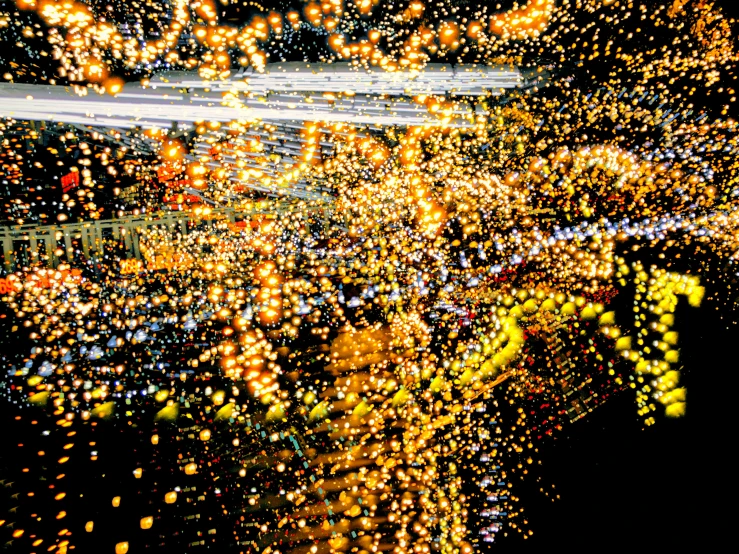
point(365, 372)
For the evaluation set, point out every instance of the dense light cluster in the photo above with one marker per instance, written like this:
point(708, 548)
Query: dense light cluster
point(354, 337)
